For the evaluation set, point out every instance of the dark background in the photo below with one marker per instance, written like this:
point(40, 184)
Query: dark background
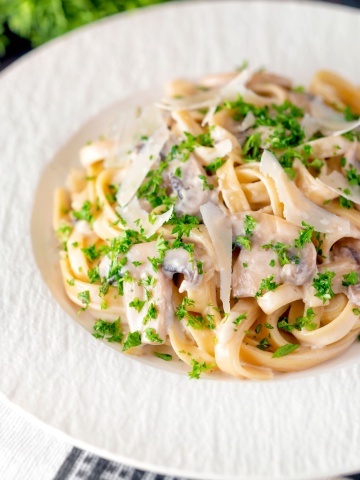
point(46, 25)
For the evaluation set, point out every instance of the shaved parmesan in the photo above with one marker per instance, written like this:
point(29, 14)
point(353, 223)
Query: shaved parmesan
point(230, 91)
point(208, 117)
point(136, 218)
point(141, 164)
point(220, 231)
point(297, 207)
point(248, 122)
point(96, 151)
point(331, 122)
point(220, 150)
point(339, 184)
point(129, 130)
point(310, 125)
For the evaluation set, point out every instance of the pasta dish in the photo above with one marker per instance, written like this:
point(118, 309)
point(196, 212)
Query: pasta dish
point(221, 226)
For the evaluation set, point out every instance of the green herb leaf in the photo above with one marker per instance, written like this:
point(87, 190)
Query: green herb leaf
point(323, 285)
point(351, 278)
point(285, 350)
point(198, 368)
point(132, 340)
point(164, 356)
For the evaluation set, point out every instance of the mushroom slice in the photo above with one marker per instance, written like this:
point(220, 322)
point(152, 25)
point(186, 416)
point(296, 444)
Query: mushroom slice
point(347, 248)
point(190, 187)
point(178, 260)
point(297, 267)
point(147, 295)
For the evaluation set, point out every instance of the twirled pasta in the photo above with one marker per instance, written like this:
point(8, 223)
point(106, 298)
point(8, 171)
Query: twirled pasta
point(225, 228)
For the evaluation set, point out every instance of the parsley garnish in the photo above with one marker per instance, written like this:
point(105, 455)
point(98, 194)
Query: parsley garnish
point(198, 368)
point(281, 250)
point(264, 344)
point(93, 253)
point(132, 340)
point(205, 183)
point(183, 225)
point(345, 203)
point(85, 299)
point(285, 350)
point(137, 304)
point(305, 321)
point(151, 335)
point(266, 284)
point(305, 236)
point(110, 331)
point(249, 225)
point(351, 278)
point(164, 356)
point(213, 166)
point(84, 213)
point(239, 319)
point(93, 274)
point(323, 285)
point(151, 314)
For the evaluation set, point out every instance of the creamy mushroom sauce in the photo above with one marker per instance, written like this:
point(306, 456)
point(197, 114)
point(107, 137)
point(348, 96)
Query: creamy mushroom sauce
point(223, 226)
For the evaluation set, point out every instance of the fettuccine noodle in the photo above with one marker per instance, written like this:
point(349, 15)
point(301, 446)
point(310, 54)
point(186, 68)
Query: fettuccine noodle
point(222, 226)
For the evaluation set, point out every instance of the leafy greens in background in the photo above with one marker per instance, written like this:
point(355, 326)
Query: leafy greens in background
point(41, 20)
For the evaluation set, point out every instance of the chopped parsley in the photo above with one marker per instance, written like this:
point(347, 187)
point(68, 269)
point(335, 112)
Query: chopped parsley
point(151, 314)
point(305, 321)
point(239, 319)
point(84, 213)
point(264, 344)
point(352, 176)
point(322, 285)
point(285, 350)
point(94, 275)
point(198, 368)
point(243, 241)
point(137, 304)
point(305, 236)
point(151, 335)
point(345, 203)
point(85, 299)
point(266, 284)
point(249, 225)
point(272, 263)
point(183, 225)
point(351, 278)
point(251, 148)
point(205, 183)
point(133, 339)
point(110, 331)
point(281, 250)
point(71, 282)
point(215, 165)
point(356, 311)
point(93, 253)
point(164, 356)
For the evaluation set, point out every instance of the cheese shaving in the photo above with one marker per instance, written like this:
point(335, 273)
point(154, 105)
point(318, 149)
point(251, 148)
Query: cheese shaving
point(136, 218)
point(141, 164)
point(297, 207)
point(220, 231)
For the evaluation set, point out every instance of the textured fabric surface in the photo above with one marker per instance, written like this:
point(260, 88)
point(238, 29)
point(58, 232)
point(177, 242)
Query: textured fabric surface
point(44, 100)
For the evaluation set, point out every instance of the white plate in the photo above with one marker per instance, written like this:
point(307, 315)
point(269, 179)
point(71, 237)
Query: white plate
point(304, 426)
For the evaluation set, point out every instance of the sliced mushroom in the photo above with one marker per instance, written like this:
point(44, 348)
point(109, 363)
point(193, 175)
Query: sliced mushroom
point(347, 248)
point(190, 188)
point(258, 263)
point(178, 261)
point(153, 288)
